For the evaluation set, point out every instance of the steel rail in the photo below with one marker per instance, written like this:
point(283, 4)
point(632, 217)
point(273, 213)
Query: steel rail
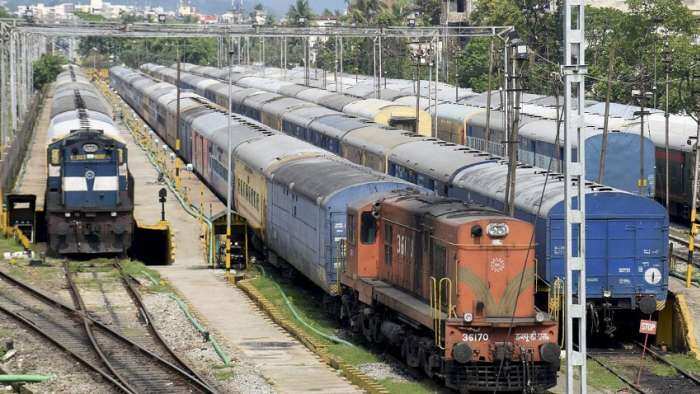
point(136, 297)
point(664, 360)
point(80, 305)
point(29, 323)
point(619, 376)
point(193, 382)
point(145, 352)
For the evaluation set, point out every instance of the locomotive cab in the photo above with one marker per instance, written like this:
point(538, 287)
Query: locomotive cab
point(452, 286)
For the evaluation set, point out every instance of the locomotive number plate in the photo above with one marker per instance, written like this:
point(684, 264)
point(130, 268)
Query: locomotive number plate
point(475, 337)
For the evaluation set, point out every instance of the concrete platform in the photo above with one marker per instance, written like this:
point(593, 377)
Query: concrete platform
point(688, 300)
point(288, 365)
point(32, 177)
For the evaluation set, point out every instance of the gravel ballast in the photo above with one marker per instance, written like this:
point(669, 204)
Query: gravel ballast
point(35, 355)
point(181, 335)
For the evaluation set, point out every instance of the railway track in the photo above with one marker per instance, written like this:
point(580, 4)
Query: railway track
point(624, 364)
point(127, 366)
point(138, 368)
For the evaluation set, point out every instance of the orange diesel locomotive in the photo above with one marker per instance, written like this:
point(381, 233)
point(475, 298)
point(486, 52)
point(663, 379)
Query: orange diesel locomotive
point(451, 287)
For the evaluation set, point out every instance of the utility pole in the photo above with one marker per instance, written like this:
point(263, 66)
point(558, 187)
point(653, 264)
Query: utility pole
point(13, 82)
point(606, 120)
point(642, 96)
point(3, 87)
point(177, 103)
point(488, 97)
point(667, 68)
point(229, 180)
point(519, 53)
point(574, 70)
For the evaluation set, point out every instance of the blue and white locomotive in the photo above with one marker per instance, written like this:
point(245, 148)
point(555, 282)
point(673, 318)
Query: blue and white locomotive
point(89, 191)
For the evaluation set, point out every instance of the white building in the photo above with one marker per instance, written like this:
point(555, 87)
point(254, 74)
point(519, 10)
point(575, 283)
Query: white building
point(96, 6)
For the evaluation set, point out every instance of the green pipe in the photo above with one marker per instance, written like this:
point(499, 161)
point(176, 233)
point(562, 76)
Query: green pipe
point(217, 348)
point(222, 355)
point(291, 308)
point(25, 378)
point(183, 307)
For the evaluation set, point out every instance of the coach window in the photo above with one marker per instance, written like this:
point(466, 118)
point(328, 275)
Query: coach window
point(368, 230)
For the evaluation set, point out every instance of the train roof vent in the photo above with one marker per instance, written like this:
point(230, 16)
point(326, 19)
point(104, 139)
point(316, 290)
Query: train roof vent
point(605, 189)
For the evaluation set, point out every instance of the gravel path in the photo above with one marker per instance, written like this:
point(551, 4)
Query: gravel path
point(200, 355)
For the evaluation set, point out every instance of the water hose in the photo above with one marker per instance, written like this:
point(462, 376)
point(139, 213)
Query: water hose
point(25, 378)
point(183, 307)
point(291, 308)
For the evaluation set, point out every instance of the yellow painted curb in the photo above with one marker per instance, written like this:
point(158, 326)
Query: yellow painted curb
point(354, 375)
point(688, 325)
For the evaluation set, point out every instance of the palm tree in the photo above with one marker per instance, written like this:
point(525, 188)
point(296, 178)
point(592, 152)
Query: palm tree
point(300, 13)
point(364, 12)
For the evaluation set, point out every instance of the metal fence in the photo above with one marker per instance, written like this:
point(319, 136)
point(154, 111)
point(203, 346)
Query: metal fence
point(14, 153)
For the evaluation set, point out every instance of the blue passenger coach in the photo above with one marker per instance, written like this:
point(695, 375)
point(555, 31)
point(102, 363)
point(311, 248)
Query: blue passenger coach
point(307, 209)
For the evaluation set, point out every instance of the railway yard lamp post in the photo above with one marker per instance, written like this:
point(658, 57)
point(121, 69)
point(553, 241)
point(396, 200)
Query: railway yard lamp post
point(229, 183)
point(641, 96)
point(420, 53)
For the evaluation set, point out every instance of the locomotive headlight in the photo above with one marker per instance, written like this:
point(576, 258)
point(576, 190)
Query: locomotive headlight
point(540, 316)
point(67, 214)
point(497, 230)
point(113, 214)
point(468, 317)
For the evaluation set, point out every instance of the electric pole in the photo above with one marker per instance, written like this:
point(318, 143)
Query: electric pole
point(574, 70)
point(606, 120)
point(642, 96)
point(667, 69)
point(519, 54)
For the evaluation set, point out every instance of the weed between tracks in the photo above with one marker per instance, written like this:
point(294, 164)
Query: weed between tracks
point(309, 306)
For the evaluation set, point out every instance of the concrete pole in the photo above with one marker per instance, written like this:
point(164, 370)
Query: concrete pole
point(341, 64)
point(3, 89)
point(13, 82)
point(335, 70)
point(381, 63)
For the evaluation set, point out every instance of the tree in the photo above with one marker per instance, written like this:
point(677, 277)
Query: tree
point(429, 11)
point(300, 14)
point(4, 13)
point(364, 12)
point(46, 69)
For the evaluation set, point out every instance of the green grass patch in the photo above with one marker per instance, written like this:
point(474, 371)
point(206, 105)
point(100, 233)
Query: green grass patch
point(601, 378)
point(9, 245)
point(130, 267)
point(149, 276)
point(686, 362)
point(659, 369)
point(223, 373)
point(309, 306)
